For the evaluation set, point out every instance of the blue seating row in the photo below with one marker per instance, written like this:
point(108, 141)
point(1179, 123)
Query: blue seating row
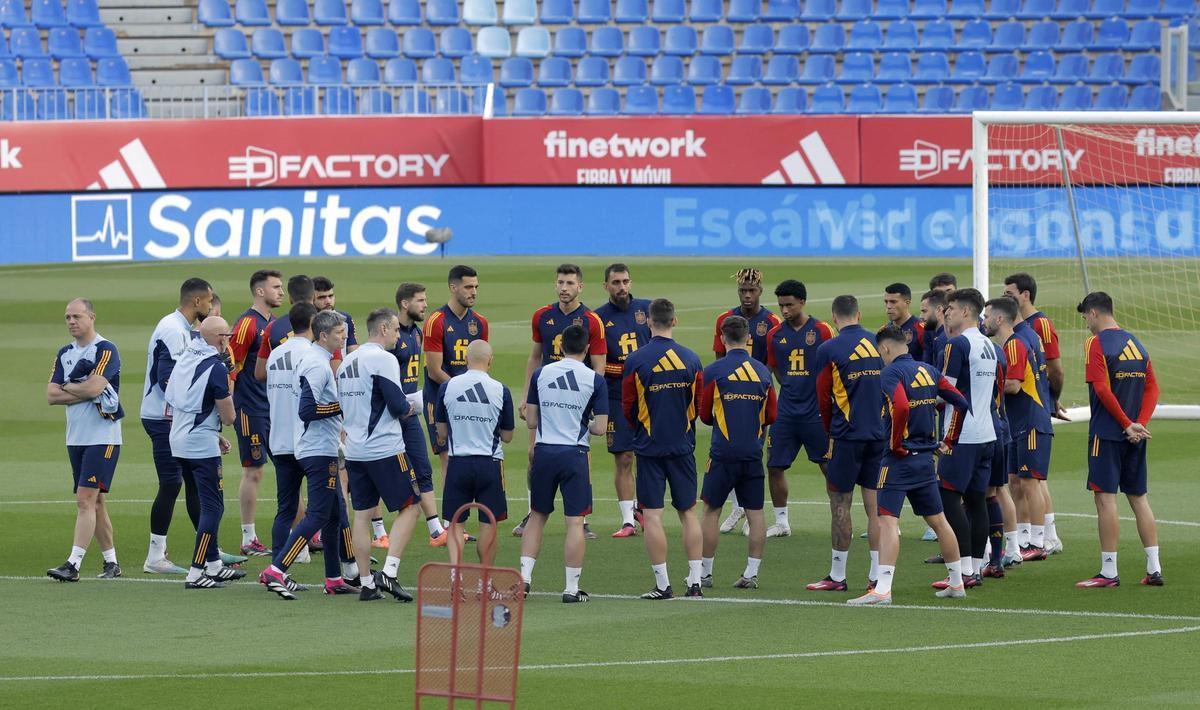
point(45, 14)
point(58, 104)
point(61, 42)
point(72, 72)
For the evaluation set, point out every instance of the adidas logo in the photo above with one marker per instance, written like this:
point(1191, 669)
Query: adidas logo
point(91, 479)
point(145, 172)
point(922, 379)
point(549, 321)
point(283, 363)
point(864, 349)
point(783, 341)
point(476, 395)
point(745, 373)
point(565, 382)
point(1130, 352)
point(669, 362)
point(610, 324)
point(798, 167)
point(350, 372)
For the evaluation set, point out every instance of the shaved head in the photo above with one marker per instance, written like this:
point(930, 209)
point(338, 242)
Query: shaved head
point(212, 329)
point(479, 355)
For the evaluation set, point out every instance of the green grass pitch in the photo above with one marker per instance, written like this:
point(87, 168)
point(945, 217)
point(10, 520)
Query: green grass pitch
point(141, 642)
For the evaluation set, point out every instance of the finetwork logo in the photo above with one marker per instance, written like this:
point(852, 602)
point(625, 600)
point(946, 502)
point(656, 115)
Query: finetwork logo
point(10, 155)
point(101, 228)
point(142, 172)
point(811, 165)
point(260, 167)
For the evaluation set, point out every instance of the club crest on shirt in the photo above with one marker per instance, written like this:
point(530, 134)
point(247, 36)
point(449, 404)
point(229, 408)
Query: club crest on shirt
point(577, 321)
point(640, 317)
point(762, 328)
point(810, 338)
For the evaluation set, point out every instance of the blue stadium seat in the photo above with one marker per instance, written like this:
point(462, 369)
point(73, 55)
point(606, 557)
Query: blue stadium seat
point(324, 70)
point(1001, 68)
point(594, 12)
point(345, 42)
point(49, 13)
point(375, 102)
point(266, 43)
point(1071, 68)
point(441, 12)
point(1102, 9)
point(114, 71)
point(533, 42)
point(299, 101)
point(242, 72)
point(399, 71)
point(928, 9)
point(607, 41)
point(252, 13)
point(228, 43)
point(818, 69)
point(339, 101)
point(75, 72)
point(717, 39)
point(680, 41)
point(1042, 35)
point(367, 13)
point(629, 71)
point(261, 101)
point(1112, 34)
point(900, 37)
point(382, 43)
point(329, 12)
point(756, 39)
point(289, 13)
point(1145, 98)
point(63, 42)
point(631, 12)
point(1106, 69)
point(307, 43)
point(516, 72)
point(1111, 98)
point(1035, 9)
point(679, 101)
point(1143, 69)
point(100, 42)
point(829, 39)
point(827, 99)
point(520, 12)
point(937, 99)
point(700, 10)
point(37, 73)
point(976, 36)
point(12, 14)
point(716, 100)
point(362, 72)
point(932, 68)
point(640, 101)
point(665, 71)
point(455, 42)
point(997, 9)
point(704, 71)
point(783, 11)
point(19, 105)
point(1144, 36)
point(894, 68)
point(1171, 8)
point(937, 36)
point(853, 10)
point(404, 13)
point(570, 42)
point(414, 101)
point(790, 100)
point(1041, 98)
point(437, 71)
point(1075, 98)
point(819, 10)
point(554, 71)
point(591, 71)
point(901, 98)
point(26, 43)
point(566, 102)
point(8, 74)
point(1009, 96)
point(857, 68)
point(782, 70)
point(479, 12)
point(644, 41)
point(792, 39)
point(83, 14)
point(557, 12)
point(865, 36)
point(285, 72)
point(1070, 10)
point(744, 10)
point(417, 43)
point(1009, 37)
point(1076, 37)
point(864, 99)
point(969, 67)
point(493, 42)
point(891, 9)
point(1039, 68)
point(744, 70)
point(604, 102)
point(971, 98)
point(474, 70)
point(451, 102)
point(52, 106)
point(754, 101)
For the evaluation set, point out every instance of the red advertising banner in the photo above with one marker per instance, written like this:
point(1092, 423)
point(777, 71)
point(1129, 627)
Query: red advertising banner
point(231, 153)
point(773, 150)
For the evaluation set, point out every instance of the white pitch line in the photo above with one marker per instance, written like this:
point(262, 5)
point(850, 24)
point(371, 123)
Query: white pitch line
point(624, 663)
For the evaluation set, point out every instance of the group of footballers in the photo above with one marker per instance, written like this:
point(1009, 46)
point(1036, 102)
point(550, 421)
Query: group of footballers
point(950, 410)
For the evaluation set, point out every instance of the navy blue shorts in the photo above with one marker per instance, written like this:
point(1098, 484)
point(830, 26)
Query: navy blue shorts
point(744, 477)
point(968, 467)
point(999, 474)
point(93, 466)
point(788, 436)
point(1033, 455)
point(253, 432)
point(391, 479)
point(909, 477)
point(430, 426)
point(853, 463)
point(655, 473)
point(417, 454)
point(1117, 466)
point(924, 498)
point(620, 433)
point(165, 465)
point(561, 468)
point(1010, 458)
point(474, 479)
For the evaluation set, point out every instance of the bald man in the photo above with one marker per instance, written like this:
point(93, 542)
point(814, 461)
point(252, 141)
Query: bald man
point(474, 417)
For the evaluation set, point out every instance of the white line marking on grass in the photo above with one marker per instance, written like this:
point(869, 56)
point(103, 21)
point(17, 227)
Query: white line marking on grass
point(623, 663)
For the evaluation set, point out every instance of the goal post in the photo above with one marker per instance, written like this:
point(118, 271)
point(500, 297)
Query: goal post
point(1097, 201)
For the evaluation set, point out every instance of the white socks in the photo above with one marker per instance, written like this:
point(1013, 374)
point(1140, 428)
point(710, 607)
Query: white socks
point(391, 566)
point(837, 568)
point(367, 581)
point(194, 573)
point(874, 573)
point(1051, 528)
point(158, 548)
point(248, 534)
point(955, 570)
point(781, 516)
point(752, 564)
point(434, 523)
point(212, 566)
point(706, 564)
point(1011, 543)
point(661, 581)
point(883, 585)
point(1152, 564)
point(626, 507)
point(110, 555)
point(350, 570)
point(77, 554)
point(377, 529)
point(695, 568)
point(573, 574)
point(1108, 564)
point(1023, 534)
point(527, 564)
point(1037, 535)
point(968, 566)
